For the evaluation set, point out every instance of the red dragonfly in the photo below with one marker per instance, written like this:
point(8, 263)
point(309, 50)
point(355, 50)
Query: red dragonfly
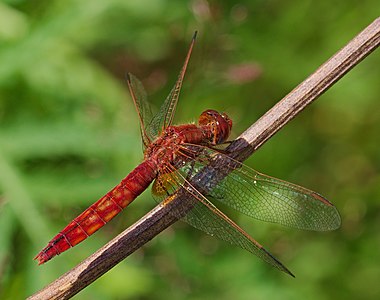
point(173, 156)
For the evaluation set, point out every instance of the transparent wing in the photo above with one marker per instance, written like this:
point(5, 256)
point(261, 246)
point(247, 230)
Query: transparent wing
point(142, 106)
point(165, 115)
point(264, 197)
point(205, 216)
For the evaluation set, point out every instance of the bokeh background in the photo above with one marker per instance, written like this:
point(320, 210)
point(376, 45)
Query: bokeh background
point(69, 133)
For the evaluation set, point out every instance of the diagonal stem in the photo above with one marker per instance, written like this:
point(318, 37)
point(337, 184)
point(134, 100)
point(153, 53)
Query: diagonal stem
point(254, 137)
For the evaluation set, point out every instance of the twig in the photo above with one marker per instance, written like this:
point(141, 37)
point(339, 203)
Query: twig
point(160, 217)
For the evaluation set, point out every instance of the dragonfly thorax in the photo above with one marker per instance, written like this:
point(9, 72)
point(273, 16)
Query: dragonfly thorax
point(218, 123)
point(165, 147)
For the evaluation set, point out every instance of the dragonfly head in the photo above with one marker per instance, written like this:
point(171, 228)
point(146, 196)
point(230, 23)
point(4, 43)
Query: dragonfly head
point(219, 123)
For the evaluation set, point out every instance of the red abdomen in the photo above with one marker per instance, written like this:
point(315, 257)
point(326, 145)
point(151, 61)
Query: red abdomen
point(101, 212)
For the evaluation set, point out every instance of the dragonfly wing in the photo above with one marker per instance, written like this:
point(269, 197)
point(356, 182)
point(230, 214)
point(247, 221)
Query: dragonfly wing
point(165, 115)
point(144, 112)
point(205, 216)
point(267, 198)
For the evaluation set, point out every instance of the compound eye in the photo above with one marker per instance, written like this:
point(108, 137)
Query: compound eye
point(208, 117)
point(227, 119)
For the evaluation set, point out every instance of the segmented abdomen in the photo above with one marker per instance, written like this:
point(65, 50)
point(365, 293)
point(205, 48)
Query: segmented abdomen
point(101, 212)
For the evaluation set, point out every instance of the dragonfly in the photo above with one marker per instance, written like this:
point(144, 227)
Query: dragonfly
point(173, 157)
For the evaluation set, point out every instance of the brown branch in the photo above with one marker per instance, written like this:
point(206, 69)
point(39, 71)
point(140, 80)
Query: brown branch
point(160, 217)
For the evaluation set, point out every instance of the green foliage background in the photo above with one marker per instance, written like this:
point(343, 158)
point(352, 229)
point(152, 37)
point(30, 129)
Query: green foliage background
point(69, 133)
